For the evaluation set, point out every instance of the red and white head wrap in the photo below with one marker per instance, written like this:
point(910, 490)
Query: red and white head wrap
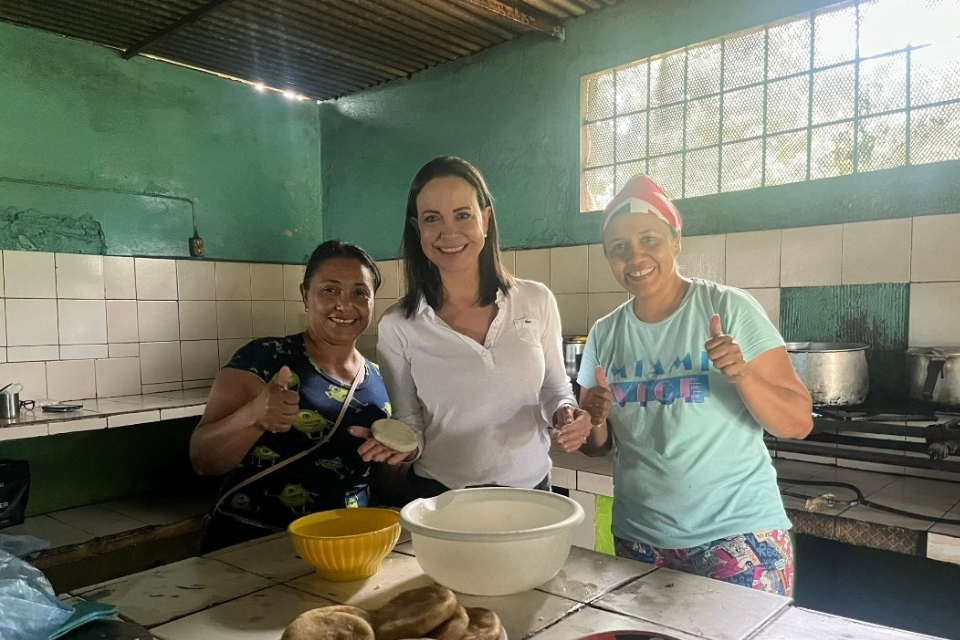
point(642, 195)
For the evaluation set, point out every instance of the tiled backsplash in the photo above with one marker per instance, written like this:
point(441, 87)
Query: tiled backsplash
point(80, 326)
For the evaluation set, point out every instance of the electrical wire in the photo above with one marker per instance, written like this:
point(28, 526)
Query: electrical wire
point(860, 500)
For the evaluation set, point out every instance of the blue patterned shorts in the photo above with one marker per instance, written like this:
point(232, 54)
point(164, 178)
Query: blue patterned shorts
point(762, 560)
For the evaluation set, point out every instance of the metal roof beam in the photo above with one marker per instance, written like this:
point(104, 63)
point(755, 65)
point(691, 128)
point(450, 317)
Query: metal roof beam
point(190, 18)
point(520, 17)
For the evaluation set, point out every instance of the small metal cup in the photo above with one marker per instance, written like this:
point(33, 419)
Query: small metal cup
point(9, 405)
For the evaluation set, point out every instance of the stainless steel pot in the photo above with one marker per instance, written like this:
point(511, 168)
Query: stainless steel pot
point(834, 372)
point(572, 353)
point(934, 374)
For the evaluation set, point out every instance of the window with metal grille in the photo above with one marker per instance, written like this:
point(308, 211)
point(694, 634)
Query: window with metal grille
point(859, 86)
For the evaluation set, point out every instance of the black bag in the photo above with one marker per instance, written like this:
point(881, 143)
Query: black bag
point(14, 491)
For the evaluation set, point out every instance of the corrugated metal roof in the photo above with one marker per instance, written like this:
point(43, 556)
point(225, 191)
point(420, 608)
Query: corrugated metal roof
point(317, 48)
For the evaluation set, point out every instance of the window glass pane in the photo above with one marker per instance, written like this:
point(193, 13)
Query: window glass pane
point(599, 143)
point(883, 84)
point(743, 114)
point(786, 158)
point(632, 88)
point(599, 96)
point(598, 188)
point(741, 165)
point(788, 104)
point(933, 21)
point(833, 92)
point(703, 70)
point(631, 137)
point(831, 151)
point(702, 170)
point(627, 171)
point(835, 35)
point(881, 25)
point(743, 59)
point(667, 171)
point(935, 74)
point(882, 142)
point(666, 79)
point(666, 129)
point(789, 48)
point(703, 122)
point(935, 134)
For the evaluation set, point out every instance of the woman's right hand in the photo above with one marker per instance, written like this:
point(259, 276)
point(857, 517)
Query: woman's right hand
point(275, 409)
point(597, 400)
point(373, 451)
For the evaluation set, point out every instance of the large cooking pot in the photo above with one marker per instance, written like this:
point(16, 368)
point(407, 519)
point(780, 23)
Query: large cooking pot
point(934, 374)
point(834, 372)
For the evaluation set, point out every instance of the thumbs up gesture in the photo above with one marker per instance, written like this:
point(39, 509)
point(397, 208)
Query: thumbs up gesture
point(725, 353)
point(598, 400)
point(275, 409)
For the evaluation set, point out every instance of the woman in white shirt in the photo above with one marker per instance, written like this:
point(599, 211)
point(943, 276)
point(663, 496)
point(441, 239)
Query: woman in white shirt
point(471, 356)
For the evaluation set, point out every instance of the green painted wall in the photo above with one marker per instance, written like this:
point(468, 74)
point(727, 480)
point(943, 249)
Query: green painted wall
point(873, 314)
point(514, 112)
point(141, 147)
point(87, 467)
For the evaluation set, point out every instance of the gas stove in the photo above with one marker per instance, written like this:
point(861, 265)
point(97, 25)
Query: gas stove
point(885, 436)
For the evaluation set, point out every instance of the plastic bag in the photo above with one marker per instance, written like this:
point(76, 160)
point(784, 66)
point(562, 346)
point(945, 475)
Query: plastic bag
point(29, 609)
point(22, 546)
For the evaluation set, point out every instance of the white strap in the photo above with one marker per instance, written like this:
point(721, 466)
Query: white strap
point(304, 453)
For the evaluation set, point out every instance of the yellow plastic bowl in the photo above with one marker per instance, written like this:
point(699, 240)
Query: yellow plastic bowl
point(346, 544)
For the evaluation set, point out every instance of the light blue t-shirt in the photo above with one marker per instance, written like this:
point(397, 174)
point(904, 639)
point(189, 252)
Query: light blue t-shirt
point(690, 465)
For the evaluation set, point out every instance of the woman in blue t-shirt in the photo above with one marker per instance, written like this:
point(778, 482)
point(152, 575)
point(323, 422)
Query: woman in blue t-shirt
point(281, 396)
point(688, 374)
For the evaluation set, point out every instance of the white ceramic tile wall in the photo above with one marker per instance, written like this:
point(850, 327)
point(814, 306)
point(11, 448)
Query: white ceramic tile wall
point(233, 281)
point(156, 279)
point(266, 281)
point(930, 262)
point(877, 251)
point(198, 320)
point(390, 276)
point(159, 320)
point(811, 256)
point(79, 276)
point(703, 257)
point(119, 280)
point(55, 312)
point(29, 274)
point(600, 278)
point(934, 314)
point(70, 380)
point(534, 265)
point(568, 269)
point(82, 321)
point(195, 280)
point(753, 259)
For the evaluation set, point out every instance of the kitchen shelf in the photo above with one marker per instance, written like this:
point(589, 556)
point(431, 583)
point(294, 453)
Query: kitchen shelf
point(107, 413)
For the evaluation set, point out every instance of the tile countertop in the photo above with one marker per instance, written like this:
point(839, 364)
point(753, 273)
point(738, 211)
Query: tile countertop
point(253, 591)
point(857, 525)
point(103, 413)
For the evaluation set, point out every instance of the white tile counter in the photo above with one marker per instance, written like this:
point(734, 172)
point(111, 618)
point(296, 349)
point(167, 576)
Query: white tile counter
point(587, 478)
point(253, 591)
point(106, 413)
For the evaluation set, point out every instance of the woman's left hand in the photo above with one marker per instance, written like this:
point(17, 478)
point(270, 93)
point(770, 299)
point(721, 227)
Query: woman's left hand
point(725, 353)
point(372, 451)
point(574, 425)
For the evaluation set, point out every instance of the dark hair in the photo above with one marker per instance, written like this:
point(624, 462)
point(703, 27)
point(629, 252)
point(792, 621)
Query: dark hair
point(338, 249)
point(421, 276)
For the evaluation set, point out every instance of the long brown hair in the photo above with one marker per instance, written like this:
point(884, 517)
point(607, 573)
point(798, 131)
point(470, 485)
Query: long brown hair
point(421, 276)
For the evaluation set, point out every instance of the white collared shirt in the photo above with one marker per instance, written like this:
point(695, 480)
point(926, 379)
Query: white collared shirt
point(481, 411)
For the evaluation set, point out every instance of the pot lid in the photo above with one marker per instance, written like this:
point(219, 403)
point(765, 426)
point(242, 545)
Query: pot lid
point(825, 347)
point(943, 352)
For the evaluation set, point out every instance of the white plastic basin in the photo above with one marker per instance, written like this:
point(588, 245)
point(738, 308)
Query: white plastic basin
point(492, 541)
